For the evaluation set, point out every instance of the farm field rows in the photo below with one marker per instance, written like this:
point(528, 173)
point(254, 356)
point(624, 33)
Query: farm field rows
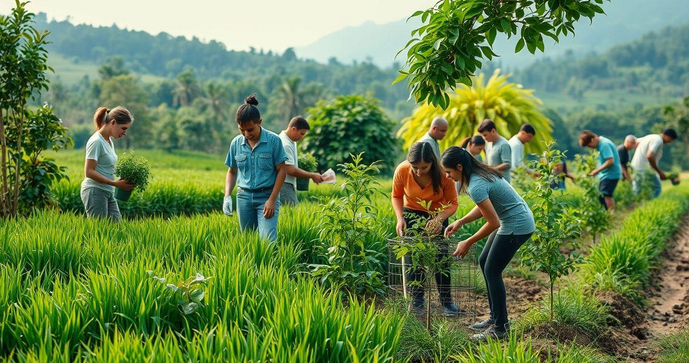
point(194, 288)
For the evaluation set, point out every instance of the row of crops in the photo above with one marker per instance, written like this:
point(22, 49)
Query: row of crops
point(184, 284)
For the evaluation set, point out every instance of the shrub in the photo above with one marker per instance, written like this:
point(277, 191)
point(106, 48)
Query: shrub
point(557, 225)
point(348, 232)
point(134, 169)
point(350, 124)
point(596, 219)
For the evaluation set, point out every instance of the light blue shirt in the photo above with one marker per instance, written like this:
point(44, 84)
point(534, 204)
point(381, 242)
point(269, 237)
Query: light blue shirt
point(257, 167)
point(514, 214)
point(606, 150)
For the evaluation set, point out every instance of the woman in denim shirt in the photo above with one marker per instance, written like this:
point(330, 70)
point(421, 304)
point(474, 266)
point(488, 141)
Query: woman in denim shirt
point(256, 162)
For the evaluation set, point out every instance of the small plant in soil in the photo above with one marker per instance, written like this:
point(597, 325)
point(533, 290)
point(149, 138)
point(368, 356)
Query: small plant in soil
point(557, 225)
point(427, 253)
point(186, 295)
point(348, 234)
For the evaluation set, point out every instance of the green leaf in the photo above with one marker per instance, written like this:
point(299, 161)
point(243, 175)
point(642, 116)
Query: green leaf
point(401, 77)
point(520, 45)
point(505, 25)
point(437, 43)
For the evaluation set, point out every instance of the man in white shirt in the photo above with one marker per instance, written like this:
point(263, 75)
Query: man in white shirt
point(525, 134)
point(436, 133)
point(649, 150)
point(296, 130)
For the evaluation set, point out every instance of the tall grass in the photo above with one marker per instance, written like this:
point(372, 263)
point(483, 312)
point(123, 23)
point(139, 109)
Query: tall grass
point(628, 255)
point(76, 289)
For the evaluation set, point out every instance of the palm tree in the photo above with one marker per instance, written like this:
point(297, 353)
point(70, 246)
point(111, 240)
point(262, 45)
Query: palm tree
point(507, 104)
point(187, 90)
point(216, 98)
point(290, 98)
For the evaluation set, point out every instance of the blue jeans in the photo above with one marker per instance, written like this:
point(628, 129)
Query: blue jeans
point(250, 213)
point(641, 178)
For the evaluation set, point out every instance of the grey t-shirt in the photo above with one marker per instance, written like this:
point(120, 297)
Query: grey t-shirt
point(104, 154)
point(433, 142)
point(497, 153)
point(514, 214)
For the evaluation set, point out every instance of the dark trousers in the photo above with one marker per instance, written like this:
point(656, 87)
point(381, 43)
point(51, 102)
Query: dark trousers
point(442, 279)
point(496, 255)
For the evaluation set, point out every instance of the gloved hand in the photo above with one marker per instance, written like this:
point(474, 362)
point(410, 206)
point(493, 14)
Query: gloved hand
point(227, 205)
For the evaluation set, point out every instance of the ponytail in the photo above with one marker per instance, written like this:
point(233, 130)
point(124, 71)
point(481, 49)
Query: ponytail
point(465, 142)
point(99, 117)
point(454, 156)
point(103, 115)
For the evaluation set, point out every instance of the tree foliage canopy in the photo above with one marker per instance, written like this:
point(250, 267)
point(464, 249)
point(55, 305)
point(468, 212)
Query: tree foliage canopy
point(457, 36)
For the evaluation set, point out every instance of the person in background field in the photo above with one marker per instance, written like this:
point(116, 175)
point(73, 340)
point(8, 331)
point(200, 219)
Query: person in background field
point(420, 178)
point(296, 130)
point(608, 171)
point(623, 151)
point(649, 151)
point(509, 224)
point(561, 173)
point(474, 145)
point(256, 164)
point(436, 133)
point(525, 134)
point(498, 151)
point(98, 187)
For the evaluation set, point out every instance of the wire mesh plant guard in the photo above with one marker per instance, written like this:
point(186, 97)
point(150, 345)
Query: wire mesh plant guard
point(463, 284)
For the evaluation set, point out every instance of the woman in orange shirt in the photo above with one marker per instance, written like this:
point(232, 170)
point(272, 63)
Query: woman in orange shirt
point(420, 178)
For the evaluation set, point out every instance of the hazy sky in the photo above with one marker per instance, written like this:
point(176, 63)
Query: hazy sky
point(269, 24)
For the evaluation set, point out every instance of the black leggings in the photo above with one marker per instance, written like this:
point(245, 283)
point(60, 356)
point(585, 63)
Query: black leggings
point(442, 280)
point(496, 255)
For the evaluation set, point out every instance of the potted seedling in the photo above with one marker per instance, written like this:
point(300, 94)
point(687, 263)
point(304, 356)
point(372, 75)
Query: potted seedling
point(673, 178)
point(307, 162)
point(133, 169)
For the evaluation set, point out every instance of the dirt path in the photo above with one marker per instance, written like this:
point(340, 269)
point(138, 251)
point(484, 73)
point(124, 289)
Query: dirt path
point(668, 311)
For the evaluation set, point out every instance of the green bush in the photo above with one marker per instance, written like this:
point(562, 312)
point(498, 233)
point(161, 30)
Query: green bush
point(134, 169)
point(557, 225)
point(351, 125)
point(350, 242)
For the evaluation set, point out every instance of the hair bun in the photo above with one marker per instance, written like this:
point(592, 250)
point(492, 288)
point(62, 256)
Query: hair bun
point(251, 100)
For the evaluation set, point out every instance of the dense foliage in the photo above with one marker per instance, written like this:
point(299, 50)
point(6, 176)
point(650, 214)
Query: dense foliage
point(350, 124)
point(26, 176)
